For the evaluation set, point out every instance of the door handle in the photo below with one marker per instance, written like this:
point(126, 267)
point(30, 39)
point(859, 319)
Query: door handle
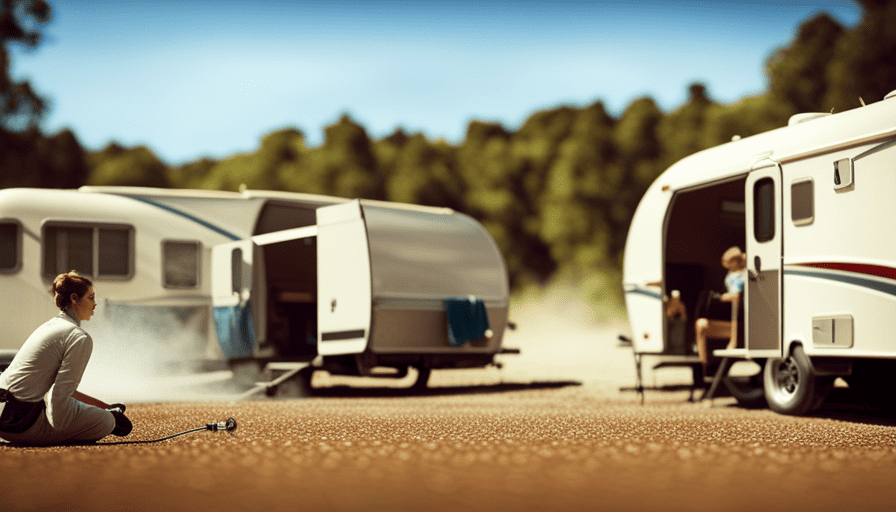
point(756, 276)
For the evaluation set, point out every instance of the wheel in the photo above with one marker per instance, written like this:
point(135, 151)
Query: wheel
point(422, 379)
point(748, 391)
point(791, 387)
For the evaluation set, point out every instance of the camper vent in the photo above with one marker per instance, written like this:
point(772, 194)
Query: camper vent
point(892, 94)
point(832, 331)
point(802, 118)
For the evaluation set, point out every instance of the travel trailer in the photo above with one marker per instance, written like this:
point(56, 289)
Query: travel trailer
point(259, 278)
point(813, 206)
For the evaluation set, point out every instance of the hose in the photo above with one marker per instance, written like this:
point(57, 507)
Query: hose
point(229, 426)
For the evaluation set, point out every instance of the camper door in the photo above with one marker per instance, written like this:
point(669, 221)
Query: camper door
point(344, 299)
point(764, 249)
point(232, 297)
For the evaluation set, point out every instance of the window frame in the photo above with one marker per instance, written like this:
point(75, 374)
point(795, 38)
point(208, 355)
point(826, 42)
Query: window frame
point(15, 269)
point(95, 241)
point(163, 260)
point(760, 200)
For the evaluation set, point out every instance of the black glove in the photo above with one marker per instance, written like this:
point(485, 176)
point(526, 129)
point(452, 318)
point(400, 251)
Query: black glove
point(123, 425)
point(119, 407)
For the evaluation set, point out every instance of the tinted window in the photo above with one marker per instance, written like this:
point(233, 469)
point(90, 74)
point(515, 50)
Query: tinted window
point(10, 242)
point(98, 251)
point(802, 207)
point(764, 210)
point(113, 251)
point(180, 261)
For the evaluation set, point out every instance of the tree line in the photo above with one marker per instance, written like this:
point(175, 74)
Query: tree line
point(557, 194)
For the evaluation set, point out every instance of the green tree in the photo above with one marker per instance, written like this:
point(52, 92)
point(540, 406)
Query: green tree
point(191, 174)
point(420, 172)
point(798, 73)
point(863, 64)
point(499, 179)
point(20, 106)
point(31, 159)
point(116, 165)
point(637, 139)
point(345, 163)
point(749, 116)
point(581, 180)
point(682, 132)
point(27, 157)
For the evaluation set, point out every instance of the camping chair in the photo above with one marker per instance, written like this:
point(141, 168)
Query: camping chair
point(714, 309)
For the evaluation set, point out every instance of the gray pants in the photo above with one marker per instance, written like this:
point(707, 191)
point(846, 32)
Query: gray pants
point(89, 424)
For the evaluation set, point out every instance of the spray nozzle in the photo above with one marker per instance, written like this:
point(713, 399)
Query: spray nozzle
point(229, 426)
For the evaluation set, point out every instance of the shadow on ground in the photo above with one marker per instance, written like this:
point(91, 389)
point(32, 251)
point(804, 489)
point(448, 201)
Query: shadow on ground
point(843, 405)
point(343, 391)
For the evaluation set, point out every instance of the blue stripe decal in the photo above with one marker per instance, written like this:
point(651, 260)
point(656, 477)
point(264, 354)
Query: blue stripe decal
point(853, 280)
point(186, 215)
point(649, 293)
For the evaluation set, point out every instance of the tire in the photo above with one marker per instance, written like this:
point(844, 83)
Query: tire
point(748, 391)
point(422, 379)
point(790, 385)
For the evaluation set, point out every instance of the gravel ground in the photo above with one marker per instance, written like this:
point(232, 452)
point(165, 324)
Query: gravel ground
point(550, 431)
point(482, 447)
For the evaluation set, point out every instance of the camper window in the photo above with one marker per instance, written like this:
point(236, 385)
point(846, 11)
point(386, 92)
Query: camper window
point(180, 264)
point(10, 246)
point(802, 207)
point(764, 210)
point(101, 251)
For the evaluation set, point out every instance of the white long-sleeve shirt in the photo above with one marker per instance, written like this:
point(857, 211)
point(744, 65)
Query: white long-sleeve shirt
point(50, 365)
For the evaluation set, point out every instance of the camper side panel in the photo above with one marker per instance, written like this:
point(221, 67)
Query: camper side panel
point(839, 284)
point(419, 258)
point(643, 270)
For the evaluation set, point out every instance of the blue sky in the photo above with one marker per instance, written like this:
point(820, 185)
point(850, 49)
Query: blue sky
point(209, 78)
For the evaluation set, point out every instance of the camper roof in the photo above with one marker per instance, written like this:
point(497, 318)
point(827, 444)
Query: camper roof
point(808, 138)
point(160, 192)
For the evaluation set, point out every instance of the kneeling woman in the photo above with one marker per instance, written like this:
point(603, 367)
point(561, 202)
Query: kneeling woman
point(38, 392)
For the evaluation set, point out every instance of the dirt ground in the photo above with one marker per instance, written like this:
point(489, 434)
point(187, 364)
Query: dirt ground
point(506, 446)
point(551, 431)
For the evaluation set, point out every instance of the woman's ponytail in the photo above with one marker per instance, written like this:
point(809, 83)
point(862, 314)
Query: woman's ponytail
point(65, 285)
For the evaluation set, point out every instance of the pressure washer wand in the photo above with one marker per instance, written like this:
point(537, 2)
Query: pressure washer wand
point(228, 426)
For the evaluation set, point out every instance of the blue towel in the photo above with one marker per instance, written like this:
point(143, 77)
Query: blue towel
point(467, 319)
point(236, 334)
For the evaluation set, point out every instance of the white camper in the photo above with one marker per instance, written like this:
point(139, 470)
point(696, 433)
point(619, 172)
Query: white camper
point(245, 272)
point(363, 288)
point(813, 206)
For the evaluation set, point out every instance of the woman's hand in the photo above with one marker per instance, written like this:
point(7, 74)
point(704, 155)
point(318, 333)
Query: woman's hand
point(729, 296)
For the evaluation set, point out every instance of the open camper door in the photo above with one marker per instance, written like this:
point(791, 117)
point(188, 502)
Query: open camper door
point(231, 275)
point(762, 293)
point(344, 298)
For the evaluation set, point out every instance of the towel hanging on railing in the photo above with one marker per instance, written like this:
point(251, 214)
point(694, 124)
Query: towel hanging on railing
point(467, 319)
